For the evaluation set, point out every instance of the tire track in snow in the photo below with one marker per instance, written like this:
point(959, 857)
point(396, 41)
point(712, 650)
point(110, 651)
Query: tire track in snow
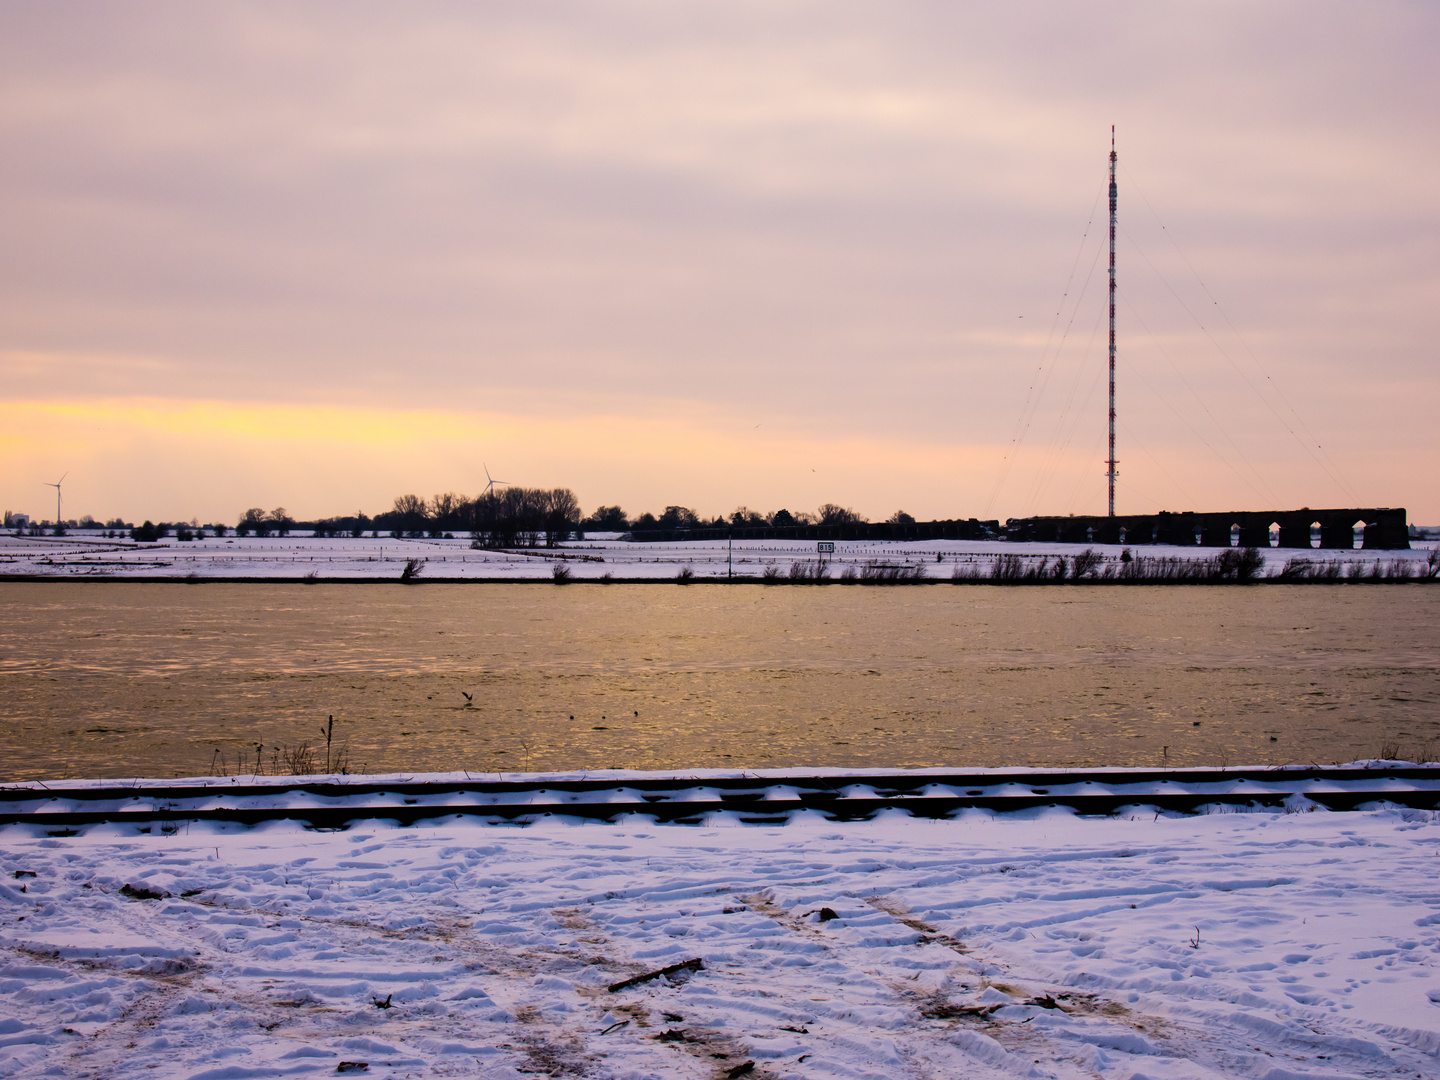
point(302, 928)
point(977, 1016)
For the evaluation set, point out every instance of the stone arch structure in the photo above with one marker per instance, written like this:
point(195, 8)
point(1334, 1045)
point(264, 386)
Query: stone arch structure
point(1337, 534)
point(1294, 530)
point(1254, 531)
point(1215, 534)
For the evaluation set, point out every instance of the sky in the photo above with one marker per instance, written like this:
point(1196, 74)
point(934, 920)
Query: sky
point(770, 254)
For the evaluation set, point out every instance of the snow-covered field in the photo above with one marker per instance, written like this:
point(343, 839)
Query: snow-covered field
point(603, 555)
point(1268, 945)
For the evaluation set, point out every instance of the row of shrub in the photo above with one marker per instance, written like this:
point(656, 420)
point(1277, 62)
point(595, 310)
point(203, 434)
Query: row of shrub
point(1230, 566)
point(1242, 564)
point(1354, 570)
point(149, 532)
point(817, 572)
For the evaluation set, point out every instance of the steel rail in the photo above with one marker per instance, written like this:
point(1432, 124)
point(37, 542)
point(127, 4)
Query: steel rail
point(332, 804)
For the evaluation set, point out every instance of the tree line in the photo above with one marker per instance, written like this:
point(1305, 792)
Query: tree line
point(676, 518)
point(512, 516)
point(516, 516)
point(531, 517)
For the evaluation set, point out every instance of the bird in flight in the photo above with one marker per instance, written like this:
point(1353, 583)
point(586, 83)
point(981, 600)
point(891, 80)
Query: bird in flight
point(469, 698)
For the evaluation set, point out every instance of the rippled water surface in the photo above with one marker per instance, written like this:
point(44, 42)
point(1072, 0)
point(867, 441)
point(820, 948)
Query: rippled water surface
point(120, 679)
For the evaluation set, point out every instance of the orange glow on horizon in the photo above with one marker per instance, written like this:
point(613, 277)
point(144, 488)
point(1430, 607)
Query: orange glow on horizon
point(211, 459)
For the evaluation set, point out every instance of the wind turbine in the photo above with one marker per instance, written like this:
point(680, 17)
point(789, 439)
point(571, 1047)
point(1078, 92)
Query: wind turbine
point(492, 480)
point(59, 523)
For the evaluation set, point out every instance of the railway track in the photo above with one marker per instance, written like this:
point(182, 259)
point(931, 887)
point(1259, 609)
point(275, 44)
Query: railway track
point(335, 803)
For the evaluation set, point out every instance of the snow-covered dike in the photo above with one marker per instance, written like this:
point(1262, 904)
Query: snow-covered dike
point(600, 557)
point(1265, 945)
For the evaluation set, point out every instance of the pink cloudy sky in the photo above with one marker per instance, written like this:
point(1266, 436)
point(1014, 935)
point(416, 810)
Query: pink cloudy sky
point(767, 253)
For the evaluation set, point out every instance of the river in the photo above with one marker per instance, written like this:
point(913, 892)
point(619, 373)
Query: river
point(164, 679)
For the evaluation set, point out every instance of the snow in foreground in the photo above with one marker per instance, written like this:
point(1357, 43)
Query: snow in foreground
point(1265, 945)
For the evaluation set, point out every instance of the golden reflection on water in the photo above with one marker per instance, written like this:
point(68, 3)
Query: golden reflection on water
point(122, 679)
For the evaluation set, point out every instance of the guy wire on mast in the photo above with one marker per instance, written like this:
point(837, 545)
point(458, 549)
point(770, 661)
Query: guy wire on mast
point(1110, 463)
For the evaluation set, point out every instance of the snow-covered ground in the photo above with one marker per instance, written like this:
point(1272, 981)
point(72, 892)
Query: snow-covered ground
point(1273, 946)
point(295, 557)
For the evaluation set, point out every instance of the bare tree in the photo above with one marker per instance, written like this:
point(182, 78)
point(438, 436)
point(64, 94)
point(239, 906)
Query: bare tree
point(831, 514)
point(608, 519)
point(525, 508)
point(411, 514)
point(679, 517)
point(744, 517)
point(485, 519)
point(253, 520)
point(520, 516)
point(562, 516)
point(444, 512)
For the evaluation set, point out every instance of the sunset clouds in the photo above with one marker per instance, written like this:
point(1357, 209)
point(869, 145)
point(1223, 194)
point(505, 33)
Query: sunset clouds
point(763, 253)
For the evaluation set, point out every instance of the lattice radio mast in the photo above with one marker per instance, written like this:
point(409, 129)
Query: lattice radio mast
point(1110, 472)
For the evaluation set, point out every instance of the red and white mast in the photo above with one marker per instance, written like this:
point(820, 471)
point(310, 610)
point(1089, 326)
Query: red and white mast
point(1110, 472)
